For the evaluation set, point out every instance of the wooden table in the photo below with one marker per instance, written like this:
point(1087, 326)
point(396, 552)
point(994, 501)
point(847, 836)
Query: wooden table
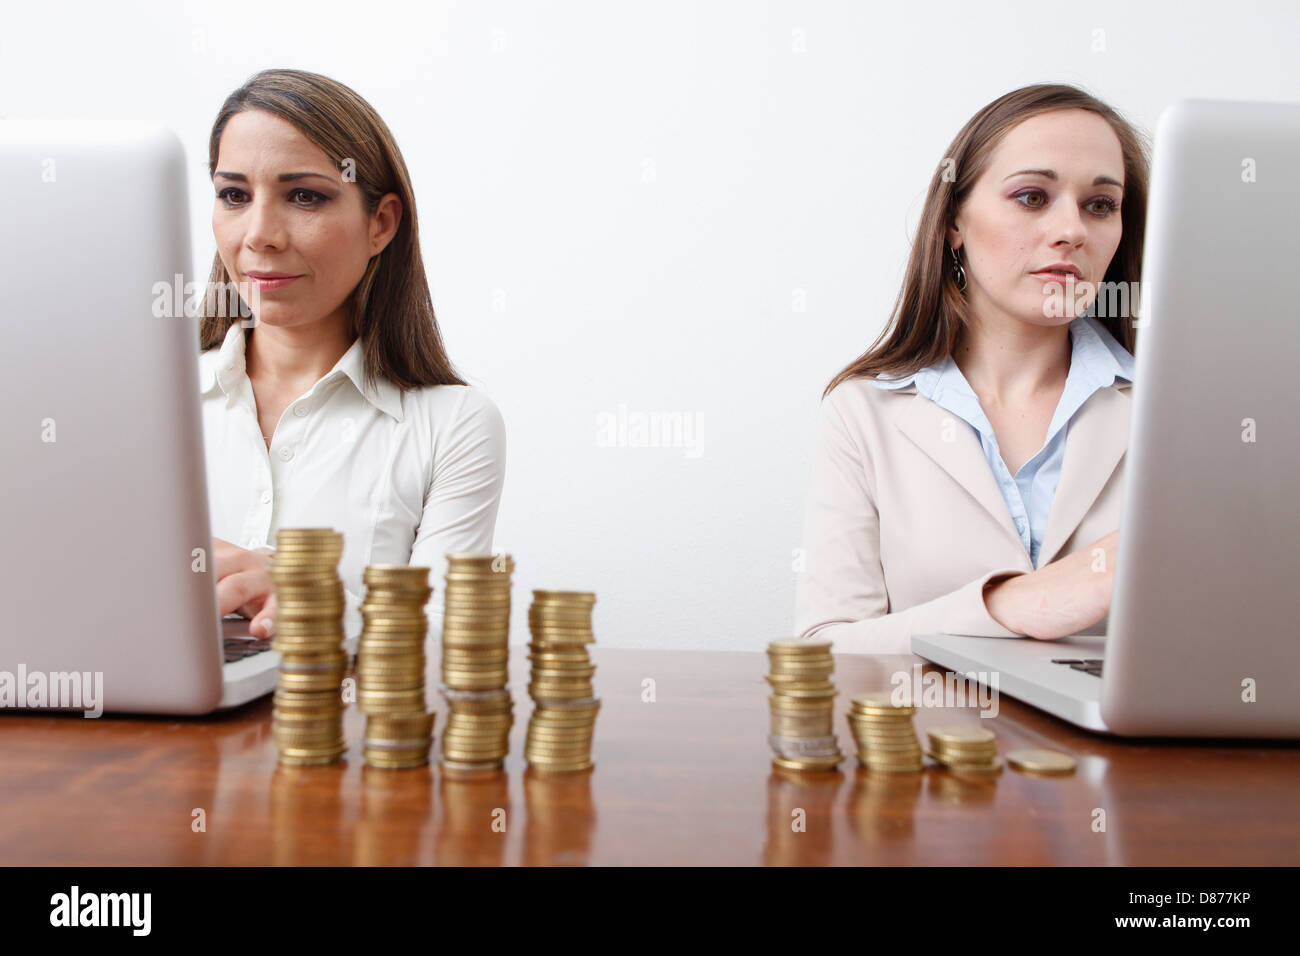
point(685, 779)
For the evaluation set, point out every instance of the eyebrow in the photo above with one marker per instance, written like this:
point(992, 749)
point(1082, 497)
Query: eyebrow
point(283, 177)
point(1051, 174)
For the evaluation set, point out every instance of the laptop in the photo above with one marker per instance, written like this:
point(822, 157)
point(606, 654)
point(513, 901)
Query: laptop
point(107, 573)
point(1202, 637)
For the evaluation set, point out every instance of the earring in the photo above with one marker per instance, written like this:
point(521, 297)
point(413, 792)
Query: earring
point(958, 273)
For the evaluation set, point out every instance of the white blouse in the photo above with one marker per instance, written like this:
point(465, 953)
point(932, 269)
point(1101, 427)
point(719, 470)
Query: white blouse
point(407, 478)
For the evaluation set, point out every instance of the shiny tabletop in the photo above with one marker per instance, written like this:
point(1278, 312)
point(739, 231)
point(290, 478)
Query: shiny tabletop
point(682, 775)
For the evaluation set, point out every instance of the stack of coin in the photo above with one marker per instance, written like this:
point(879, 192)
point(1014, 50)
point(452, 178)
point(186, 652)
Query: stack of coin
point(962, 747)
point(390, 666)
point(307, 716)
point(477, 736)
point(884, 734)
point(803, 703)
point(563, 723)
point(476, 661)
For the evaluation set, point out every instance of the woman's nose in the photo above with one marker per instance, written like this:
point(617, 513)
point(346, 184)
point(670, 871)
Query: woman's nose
point(1067, 223)
point(265, 226)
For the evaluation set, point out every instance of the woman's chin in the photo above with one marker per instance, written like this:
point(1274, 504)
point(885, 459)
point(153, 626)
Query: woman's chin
point(1031, 316)
point(279, 319)
point(1057, 309)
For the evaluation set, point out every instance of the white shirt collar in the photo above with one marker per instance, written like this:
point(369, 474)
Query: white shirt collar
point(226, 367)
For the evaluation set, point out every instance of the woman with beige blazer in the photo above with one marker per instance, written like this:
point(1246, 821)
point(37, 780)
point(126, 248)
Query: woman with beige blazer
point(970, 464)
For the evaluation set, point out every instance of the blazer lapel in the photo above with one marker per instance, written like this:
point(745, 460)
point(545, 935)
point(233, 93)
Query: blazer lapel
point(1095, 443)
point(954, 446)
point(1097, 440)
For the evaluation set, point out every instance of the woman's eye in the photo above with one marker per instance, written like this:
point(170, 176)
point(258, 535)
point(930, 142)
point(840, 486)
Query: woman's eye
point(298, 197)
point(1102, 206)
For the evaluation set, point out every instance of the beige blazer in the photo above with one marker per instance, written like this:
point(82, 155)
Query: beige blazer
point(905, 524)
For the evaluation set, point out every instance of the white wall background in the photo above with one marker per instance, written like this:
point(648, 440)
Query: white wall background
point(692, 206)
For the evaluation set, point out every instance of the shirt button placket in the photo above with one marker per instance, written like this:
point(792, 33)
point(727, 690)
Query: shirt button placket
point(268, 510)
point(276, 461)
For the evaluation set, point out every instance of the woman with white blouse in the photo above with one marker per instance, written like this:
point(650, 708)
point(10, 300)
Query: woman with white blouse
point(336, 405)
point(983, 433)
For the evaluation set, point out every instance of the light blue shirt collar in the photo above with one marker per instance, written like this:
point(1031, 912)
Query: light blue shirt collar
point(1096, 360)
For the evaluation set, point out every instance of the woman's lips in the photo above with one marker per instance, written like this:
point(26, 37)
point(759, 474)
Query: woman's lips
point(267, 285)
point(1055, 277)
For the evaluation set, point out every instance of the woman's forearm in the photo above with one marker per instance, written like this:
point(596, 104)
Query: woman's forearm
point(1009, 603)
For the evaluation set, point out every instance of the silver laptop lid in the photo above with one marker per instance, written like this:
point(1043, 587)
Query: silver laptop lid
point(106, 564)
point(1208, 567)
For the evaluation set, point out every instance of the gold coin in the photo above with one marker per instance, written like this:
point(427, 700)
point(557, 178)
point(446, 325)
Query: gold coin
point(398, 610)
point(332, 682)
point(585, 705)
point(467, 760)
point(563, 627)
point(460, 719)
point(333, 587)
point(961, 735)
point(544, 767)
point(808, 764)
point(560, 633)
point(322, 561)
point(579, 738)
point(1041, 761)
point(561, 727)
point(459, 655)
point(296, 701)
point(541, 623)
point(819, 676)
point(789, 646)
point(566, 669)
point(398, 572)
point(549, 658)
point(562, 610)
point(990, 765)
point(304, 575)
point(309, 758)
point(380, 761)
point(472, 767)
point(811, 691)
point(400, 724)
point(874, 699)
point(308, 663)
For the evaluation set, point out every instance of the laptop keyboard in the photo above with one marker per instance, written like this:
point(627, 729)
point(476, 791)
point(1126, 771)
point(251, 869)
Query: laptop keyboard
point(237, 648)
point(1088, 666)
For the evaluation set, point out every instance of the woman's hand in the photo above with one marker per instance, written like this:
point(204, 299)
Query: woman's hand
point(1058, 599)
point(244, 586)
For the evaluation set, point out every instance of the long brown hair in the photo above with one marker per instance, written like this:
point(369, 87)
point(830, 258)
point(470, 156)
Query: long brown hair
point(930, 309)
point(392, 310)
